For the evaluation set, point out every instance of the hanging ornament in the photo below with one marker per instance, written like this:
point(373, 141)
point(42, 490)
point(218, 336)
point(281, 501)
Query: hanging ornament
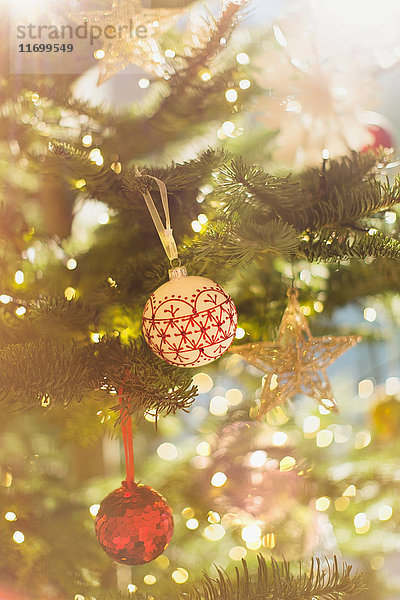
point(385, 417)
point(380, 131)
point(133, 36)
point(190, 320)
point(134, 523)
point(296, 362)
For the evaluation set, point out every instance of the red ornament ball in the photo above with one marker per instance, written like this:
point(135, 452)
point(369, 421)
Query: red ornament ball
point(134, 524)
point(189, 321)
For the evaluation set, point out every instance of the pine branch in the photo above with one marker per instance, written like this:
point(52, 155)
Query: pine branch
point(233, 246)
point(148, 383)
point(278, 583)
point(203, 55)
point(44, 370)
point(96, 181)
point(342, 244)
point(248, 189)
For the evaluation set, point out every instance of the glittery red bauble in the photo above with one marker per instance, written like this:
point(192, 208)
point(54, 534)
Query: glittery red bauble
point(189, 321)
point(134, 524)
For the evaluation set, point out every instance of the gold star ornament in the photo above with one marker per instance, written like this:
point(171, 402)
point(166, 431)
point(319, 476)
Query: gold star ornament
point(296, 362)
point(130, 34)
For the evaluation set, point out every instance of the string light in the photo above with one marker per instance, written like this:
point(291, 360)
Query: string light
point(18, 537)
point(324, 438)
point(19, 277)
point(132, 588)
point(322, 503)
point(80, 183)
point(251, 533)
point(362, 439)
point(71, 264)
point(203, 448)
point(365, 388)
point(279, 438)
point(350, 491)
point(287, 463)
point(228, 127)
point(214, 533)
point(258, 458)
point(96, 156)
point(87, 140)
point(143, 83)
point(213, 517)
point(192, 524)
point(218, 479)
point(21, 310)
point(242, 58)
point(5, 299)
point(149, 579)
point(94, 509)
point(99, 54)
point(167, 451)
point(237, 553)
point(370, 314)
point(204, 382)
point(103, 218)
point(240, 333)
point(392, 386)
point(10, 516)
point(188, 512)
point(385, 512)
point(218, 406)
point(311, 425)
point(180, 575)
point(234, 397)
point(342, 503)
point(244, 84)
point(231, 95)
point(196, 226)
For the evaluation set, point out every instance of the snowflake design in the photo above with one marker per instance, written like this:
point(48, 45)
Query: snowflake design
point(189, 330)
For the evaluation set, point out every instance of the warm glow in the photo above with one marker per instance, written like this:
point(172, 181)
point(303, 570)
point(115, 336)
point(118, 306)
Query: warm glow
point(94, 509)
point(240, 333)
point(19, 277)
point(149, 579)
point(251, 533)
point(167, 451)
point(231, 95)
point(218, 406)
point(10, 516)
point(203, 448)
point(18, 537)
point(203, 382)
point(322, 504)
point(143, 83)
point(180, 575)
point(192, 524)
point(237, 553)
point(218, 479)
point(279, 438)
point(214, 532)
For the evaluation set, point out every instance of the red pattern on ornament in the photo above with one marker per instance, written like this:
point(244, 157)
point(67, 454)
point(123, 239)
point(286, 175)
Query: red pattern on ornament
point(181, 331)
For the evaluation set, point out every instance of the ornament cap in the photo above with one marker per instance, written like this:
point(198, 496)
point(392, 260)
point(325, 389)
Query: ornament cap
point(177, 273)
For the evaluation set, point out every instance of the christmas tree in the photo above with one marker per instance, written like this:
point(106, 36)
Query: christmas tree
point(198, 219)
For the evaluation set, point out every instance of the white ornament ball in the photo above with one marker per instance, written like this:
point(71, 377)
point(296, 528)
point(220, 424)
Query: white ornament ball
point(189, 321)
